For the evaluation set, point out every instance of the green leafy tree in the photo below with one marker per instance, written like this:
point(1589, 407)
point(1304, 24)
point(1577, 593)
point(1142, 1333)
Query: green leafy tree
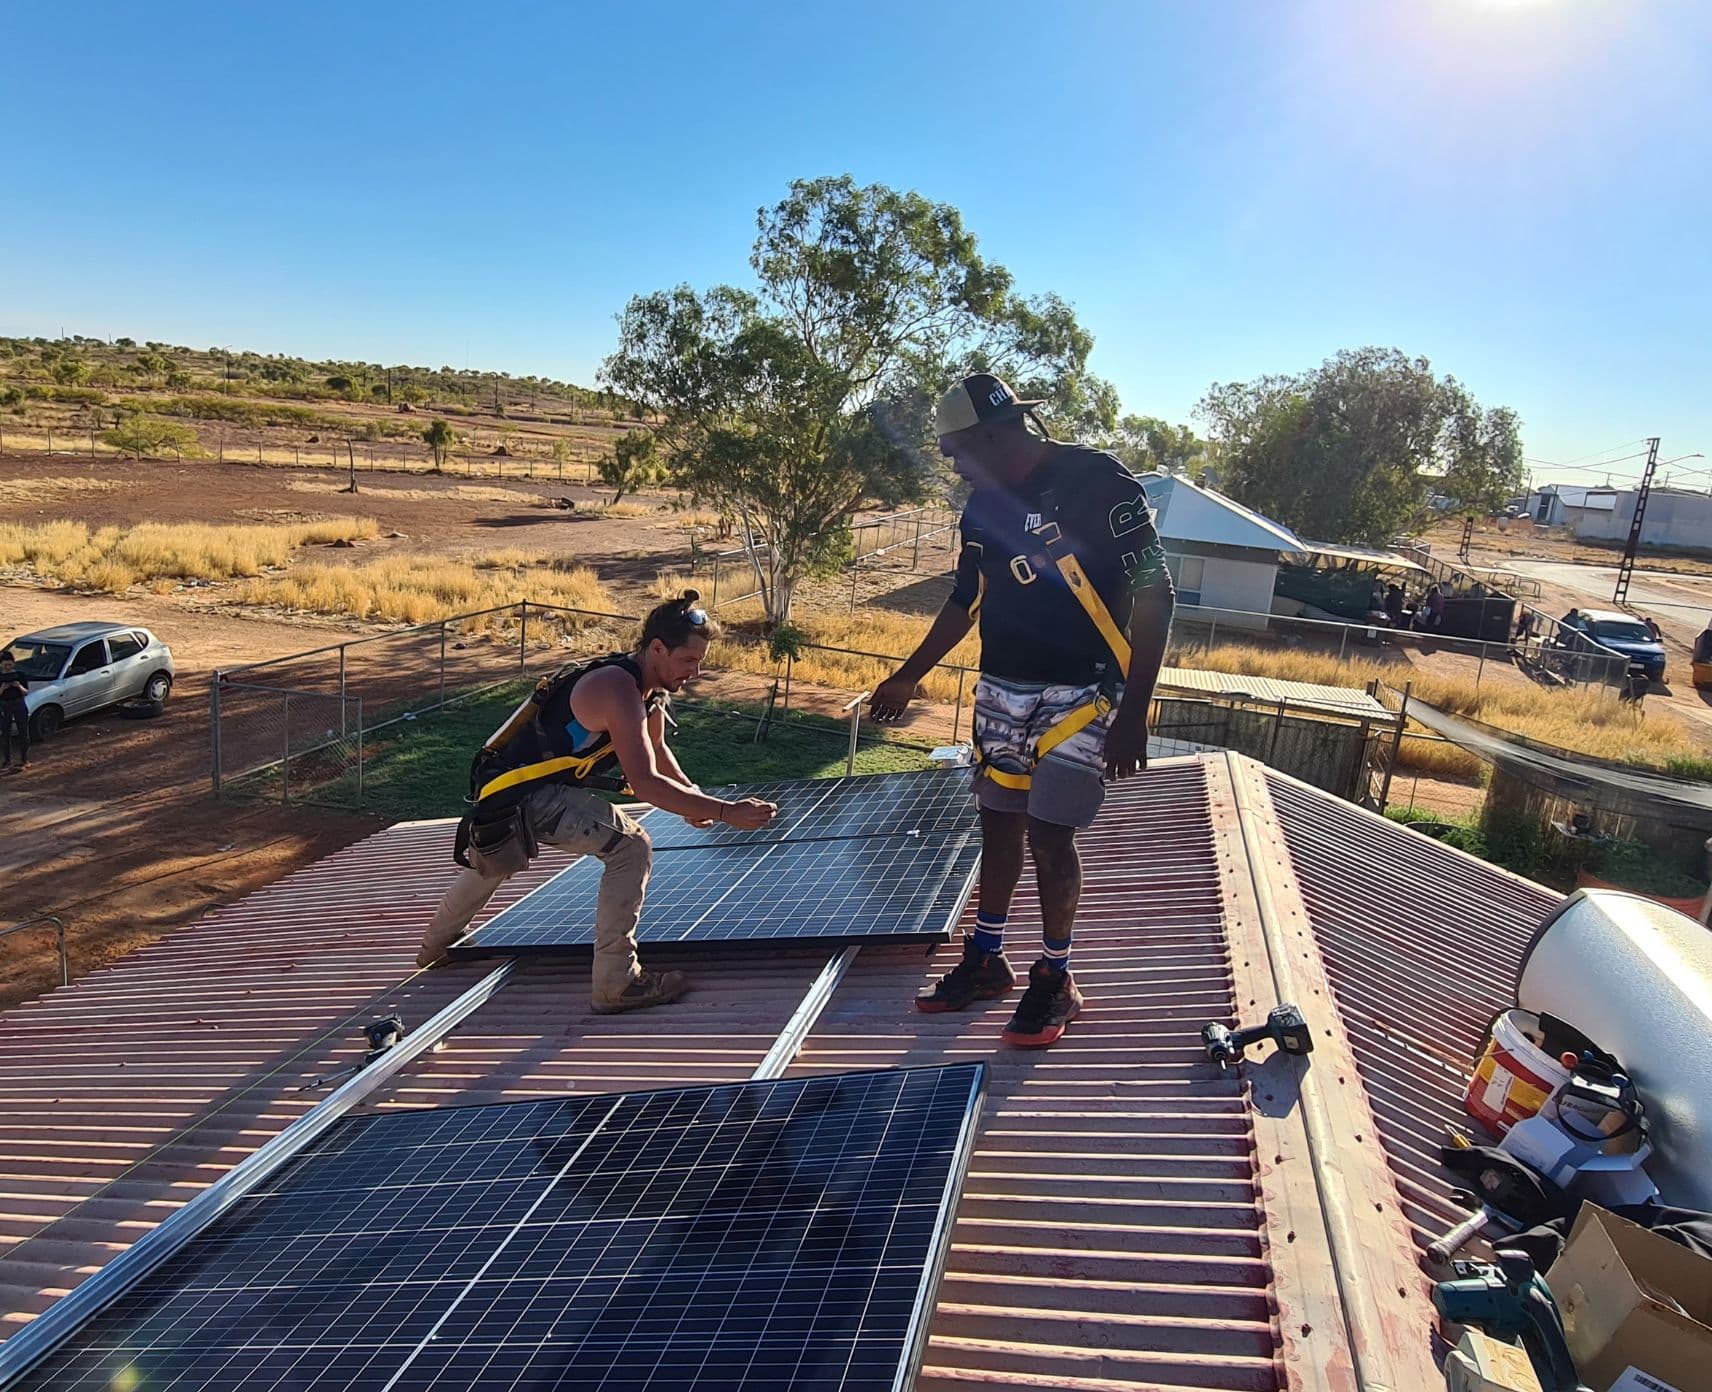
point(440, 437)
point(1149, 444)
point(634, 463)
point(142, 435)
point(791, 404)
point(68, 372)
point(1350, 450)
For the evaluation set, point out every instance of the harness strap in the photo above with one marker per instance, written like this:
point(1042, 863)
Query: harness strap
point(580, 765)
point(1077, 720)
point(1052, 537)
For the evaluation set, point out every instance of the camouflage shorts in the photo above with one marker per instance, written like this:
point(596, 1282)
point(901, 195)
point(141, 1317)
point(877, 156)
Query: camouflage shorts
point(1067, 787)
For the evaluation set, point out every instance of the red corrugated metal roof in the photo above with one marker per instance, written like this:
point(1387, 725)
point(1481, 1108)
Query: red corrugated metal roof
point(1131, 1219)
point(1421, 943)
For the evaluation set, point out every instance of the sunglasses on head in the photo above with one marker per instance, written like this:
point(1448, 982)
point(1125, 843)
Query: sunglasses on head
point(696, 617)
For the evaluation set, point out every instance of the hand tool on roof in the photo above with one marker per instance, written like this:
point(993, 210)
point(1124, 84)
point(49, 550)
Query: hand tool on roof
point(380, 1035)
point(1511, 1301)
point(1284, 1026)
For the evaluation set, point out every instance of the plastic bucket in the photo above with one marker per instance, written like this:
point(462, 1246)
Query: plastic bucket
point(1514, 1076)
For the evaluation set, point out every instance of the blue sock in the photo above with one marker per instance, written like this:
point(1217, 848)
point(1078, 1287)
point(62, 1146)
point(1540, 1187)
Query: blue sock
point(990, 932)
point(1057, 952)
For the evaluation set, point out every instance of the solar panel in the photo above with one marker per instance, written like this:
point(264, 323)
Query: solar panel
point(928, 803)
point(889, 857)
point(775, 1235)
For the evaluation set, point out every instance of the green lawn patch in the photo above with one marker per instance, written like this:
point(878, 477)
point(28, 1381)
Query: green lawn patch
point(420, 768)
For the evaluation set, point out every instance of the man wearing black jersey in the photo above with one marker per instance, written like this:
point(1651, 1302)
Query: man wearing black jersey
point(1063, 570)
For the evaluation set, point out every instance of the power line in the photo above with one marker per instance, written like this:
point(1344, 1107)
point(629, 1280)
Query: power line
point(1627, 444)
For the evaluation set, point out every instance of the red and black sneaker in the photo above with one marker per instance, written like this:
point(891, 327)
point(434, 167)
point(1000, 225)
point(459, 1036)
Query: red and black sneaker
point(1050, 1003)
point(979, 976)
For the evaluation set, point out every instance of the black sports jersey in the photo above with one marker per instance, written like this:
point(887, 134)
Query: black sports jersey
point(1033, 628)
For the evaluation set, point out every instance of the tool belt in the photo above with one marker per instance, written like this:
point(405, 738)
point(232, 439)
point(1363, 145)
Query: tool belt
point(496, 844)
point(1105, 699)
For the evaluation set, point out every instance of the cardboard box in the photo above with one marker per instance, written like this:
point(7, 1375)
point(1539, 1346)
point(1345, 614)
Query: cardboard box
point(1637, 1307)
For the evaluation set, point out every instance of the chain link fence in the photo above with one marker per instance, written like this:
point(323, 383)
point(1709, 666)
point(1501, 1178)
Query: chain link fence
point(303, 728)
point(302, 746)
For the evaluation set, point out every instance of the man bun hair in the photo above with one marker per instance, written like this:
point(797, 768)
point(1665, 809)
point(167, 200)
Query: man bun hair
point(678, 620)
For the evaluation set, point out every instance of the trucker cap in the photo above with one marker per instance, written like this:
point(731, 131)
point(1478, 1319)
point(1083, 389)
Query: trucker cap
point(980, 399)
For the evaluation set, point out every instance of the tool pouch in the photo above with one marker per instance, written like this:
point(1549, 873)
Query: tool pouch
point(497, 846)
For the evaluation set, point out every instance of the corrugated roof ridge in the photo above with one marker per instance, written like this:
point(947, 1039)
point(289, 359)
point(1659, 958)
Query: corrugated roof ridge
point(1377, 1288)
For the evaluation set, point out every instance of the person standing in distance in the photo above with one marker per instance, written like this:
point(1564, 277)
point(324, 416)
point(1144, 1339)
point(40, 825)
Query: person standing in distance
point(593, 725)
point(14, 713)
point(1060, 560)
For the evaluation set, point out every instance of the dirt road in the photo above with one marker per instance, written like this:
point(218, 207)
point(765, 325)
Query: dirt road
point(1681, 605)
point(113, 826)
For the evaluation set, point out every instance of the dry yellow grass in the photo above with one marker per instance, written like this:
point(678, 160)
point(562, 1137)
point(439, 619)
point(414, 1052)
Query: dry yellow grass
point(692, 517)
point(415, 589)
point(618, 509)
point(458, 492)
point(111, 559)
point(1586, 721)
point(35, 490)
point(1590, 722)
point(510, 558)
point(871, 631)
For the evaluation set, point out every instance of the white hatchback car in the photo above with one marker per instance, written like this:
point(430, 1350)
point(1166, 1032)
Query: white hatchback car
point(79, 668)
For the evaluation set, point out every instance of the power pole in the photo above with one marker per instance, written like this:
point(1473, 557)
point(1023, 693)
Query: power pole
point(1626, 570)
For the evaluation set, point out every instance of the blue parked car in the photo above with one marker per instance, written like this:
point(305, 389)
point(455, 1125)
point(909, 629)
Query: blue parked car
point(1622, 634)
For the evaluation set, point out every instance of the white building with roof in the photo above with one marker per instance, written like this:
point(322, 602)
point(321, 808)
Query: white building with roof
point(1563, 504)
point(1674, 517)
point(1222, 555)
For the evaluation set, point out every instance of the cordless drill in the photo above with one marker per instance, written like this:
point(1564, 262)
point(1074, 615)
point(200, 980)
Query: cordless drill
point(1511, 1301)
point(1284, 1026)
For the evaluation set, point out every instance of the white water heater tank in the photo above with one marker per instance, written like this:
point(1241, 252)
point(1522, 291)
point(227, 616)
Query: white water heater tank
point(1636, 978)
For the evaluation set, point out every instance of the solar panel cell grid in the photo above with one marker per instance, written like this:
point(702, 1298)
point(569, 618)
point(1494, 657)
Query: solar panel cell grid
point(884, 857)
point(758, 1236)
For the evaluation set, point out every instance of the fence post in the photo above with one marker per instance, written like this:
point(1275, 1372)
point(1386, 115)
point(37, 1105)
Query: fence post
point(790, 664)
point(915, 551)
point(1213, 634)
point(341, 688)
point(285, 759)
point(522, 642)
point(214, 722)
point(855, 709)
point(359, 753)
point(1396, 748)
point(1277, 729)
point(442, 701)
point(957, 715)
point(715, 602)
point(1480, 671)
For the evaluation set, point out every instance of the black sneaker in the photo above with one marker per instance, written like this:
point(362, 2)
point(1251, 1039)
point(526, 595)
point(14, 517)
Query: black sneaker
point(979, 976)
point(1051, 1002)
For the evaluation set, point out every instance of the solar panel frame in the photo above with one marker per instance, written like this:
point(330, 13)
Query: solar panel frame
point(897, 863)
point(748, 1170)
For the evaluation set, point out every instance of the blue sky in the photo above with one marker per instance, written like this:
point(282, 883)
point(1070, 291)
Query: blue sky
point(1521, 190)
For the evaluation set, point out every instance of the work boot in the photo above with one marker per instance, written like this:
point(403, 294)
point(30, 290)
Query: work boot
point(979, 976)
point(1051, 1002)
point(650, 988)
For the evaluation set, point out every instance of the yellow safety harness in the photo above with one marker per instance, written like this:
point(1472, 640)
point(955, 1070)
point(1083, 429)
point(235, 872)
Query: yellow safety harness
point(575, 768)
point(1052, 538)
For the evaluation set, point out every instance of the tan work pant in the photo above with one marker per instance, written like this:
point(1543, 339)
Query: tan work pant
point(577, 822)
